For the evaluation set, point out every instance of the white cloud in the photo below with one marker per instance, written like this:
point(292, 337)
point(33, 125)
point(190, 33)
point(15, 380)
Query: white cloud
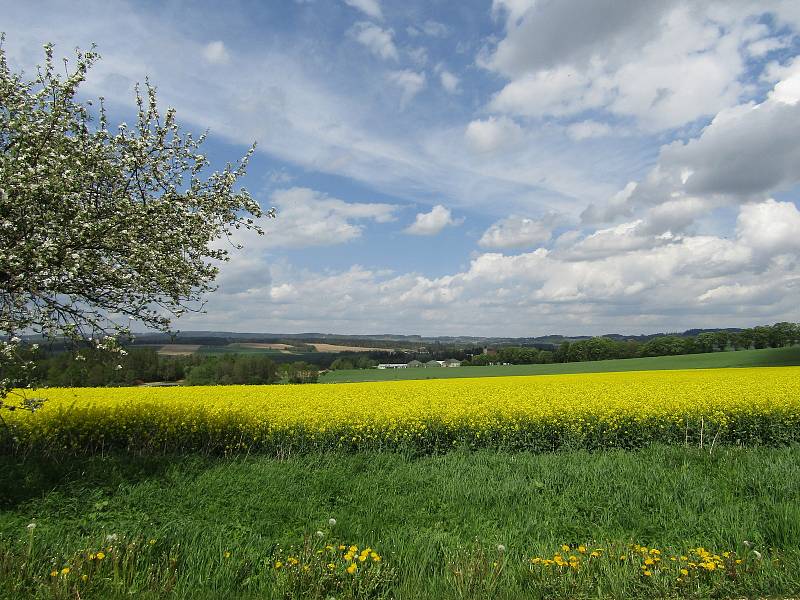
point(770, 227)
point(216, 53)
point(432, 222)
point(663, 63)
point(378, 40)
point(371, 8)
point(664, 285)
point(492, 134)
point(410, 82)
point(307, 217)
point(449, 81)
point(588, 129)
point(518, 232)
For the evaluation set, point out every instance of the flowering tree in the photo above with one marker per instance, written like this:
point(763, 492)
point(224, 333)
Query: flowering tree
point(102, 227)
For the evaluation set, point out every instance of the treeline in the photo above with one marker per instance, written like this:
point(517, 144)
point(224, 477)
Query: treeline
point(603, 348)
point(88, 368)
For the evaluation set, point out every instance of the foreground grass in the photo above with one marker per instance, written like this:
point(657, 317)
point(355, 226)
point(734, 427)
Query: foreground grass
point(195, 527)
point(767, 357)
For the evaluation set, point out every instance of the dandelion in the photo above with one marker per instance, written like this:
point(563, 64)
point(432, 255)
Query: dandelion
point(65, 571)
point(757, 554)
point(352, 568)
point(331, 521)
point(747, 544)
point(84, 577)
point(53, 573)
point(151, 542)
point(684, 572)
point(30, 526)
point(226, 554)
point(501, 548)
point(111, 537)
point(100, 555)
point(320, 534)
point(278, 564)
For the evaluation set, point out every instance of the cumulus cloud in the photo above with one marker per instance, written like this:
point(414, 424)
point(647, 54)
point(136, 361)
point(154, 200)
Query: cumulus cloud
point(432, 222)
point(664, 63)
point(588, 129)
point(410, 82)
point(492, 134)
point(449, 81)
point(371, 8)
point(379, 41)
point(519, 232)
point(307, 217)
point(216, 53)
point(667, 284)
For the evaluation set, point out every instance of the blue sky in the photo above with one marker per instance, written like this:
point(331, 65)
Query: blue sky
point(506, 167)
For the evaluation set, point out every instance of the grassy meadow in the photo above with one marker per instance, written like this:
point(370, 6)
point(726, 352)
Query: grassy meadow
point(766, 357)
point(458, 525)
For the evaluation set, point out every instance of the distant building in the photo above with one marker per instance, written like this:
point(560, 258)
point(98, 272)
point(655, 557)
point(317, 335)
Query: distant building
point(451, 362)
point(392, 366)
point(415, 364)
point(433, 363)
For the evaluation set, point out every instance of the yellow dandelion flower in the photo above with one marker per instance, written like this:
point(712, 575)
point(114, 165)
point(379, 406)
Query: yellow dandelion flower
point(84, 577)
point(342, 547)
point(647, 573)
point(278, 564)
point(352, 568)
point(582, 549)
point(649, 561)
point(594, 554)
point(331, 566)
point(100, 555)
point(151, 542)
point(362, 557)
point(684, 572)
point(226, 554)
point(565, 548)
point(53, 573)
point(65, 571)
point(353, 548)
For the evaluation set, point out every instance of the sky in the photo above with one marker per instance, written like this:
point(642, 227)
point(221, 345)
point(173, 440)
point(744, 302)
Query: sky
point(497, 168)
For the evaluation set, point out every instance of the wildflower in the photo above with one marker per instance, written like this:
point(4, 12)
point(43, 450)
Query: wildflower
point(53, 573)
point(111, 537)
point(331, 566)
point(84, 577)
point(647, 573)
point(331, 522)
point(320, 534)
point(747, 544)
point(341, 547)
point(757, 554)
point(65, 571)
point(352, 568)
point(30, 526)
point(501, 548)
point(594, 554)
point(582, 549)
point(151, 542)
point(100, 555)
point(565, 548)
point(226, 554)
point(684, 572)
point(353, 548)
point(278, 564)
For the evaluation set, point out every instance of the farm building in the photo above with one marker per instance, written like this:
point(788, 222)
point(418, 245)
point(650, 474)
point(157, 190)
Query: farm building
point(433, 363)
point(392, 366)
point(451, 362)
point(415, 364)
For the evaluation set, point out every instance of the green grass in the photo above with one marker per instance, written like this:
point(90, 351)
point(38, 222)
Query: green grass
point(436, 521)
point(768, 357)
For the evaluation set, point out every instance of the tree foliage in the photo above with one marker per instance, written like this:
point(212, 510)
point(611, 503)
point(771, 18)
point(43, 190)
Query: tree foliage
point(101, 227)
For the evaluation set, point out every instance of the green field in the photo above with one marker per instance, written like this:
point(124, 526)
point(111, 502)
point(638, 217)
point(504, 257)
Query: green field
point(768, 357)
point(436, 521)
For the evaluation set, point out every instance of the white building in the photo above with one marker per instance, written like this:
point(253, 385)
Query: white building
point(392, 366)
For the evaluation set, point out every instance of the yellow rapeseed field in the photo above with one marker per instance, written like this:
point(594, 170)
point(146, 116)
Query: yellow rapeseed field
point(598, 410)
